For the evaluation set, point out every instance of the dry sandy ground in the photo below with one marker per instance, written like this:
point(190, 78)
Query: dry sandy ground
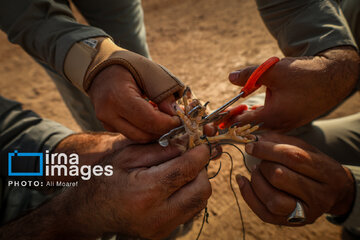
point(201, 42)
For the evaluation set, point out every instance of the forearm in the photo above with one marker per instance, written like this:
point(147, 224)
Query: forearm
point(305, 28)
point(56, 219)
point(343, 70)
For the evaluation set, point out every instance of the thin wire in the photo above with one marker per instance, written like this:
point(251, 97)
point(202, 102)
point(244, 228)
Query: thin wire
point(235, 196)
point(210, 149)
point(231, 186)
point(217, 173)
point(206, 214)
point(205, 219)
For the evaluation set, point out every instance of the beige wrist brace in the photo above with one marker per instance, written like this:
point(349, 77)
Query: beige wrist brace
point(87, 58)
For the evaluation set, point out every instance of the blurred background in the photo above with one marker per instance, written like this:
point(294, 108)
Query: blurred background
point(200, 41)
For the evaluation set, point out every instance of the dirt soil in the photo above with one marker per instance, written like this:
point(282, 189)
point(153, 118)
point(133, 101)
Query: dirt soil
point(201, 42)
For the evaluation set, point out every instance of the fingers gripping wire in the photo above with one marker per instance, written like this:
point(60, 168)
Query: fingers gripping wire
point(212, 157)
point(206, 214)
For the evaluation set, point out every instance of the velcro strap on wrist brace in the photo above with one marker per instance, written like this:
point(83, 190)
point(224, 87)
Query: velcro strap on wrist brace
point(84, 62)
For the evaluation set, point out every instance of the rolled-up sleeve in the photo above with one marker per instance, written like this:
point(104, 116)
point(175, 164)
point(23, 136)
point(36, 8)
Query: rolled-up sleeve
point(24, 131)
point(46, 29)
point(306, 27)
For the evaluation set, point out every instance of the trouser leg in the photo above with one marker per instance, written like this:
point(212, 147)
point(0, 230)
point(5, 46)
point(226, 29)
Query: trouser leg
point(339, 138)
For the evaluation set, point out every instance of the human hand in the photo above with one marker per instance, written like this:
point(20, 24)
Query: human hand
point(291, 169)
point(120, 106)
point(151, 192)
point(302, 89)
point(91, 148)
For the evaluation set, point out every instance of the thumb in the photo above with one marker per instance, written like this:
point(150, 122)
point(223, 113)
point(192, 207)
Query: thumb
point(168, 105)
point(240, 77)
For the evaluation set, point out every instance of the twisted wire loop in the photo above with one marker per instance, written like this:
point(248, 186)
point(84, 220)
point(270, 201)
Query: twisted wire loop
point(206, 213)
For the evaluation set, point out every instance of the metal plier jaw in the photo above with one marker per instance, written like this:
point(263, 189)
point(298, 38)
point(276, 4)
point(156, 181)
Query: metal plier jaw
point(216, 116)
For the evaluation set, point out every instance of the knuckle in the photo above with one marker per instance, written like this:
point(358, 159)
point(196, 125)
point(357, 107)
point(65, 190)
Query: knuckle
point(275, 206)
point(276, 176)
point(170, 179)
point(153, 191)
point(100, 114)
point(195, 203)
point(296, 155)
point(145, 200)
point(190, 170)
point(142, 201)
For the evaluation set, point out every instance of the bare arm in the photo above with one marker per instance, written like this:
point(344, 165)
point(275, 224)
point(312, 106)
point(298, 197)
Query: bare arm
point(304, 88)
point(147, 182)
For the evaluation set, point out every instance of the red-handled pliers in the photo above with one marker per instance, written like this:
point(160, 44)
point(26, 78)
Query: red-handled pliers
point(250, 86)
point(219, 115)
point(229, 113)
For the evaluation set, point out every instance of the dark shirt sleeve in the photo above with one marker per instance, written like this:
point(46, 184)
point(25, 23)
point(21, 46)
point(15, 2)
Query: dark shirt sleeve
point(352, 220)
point(306, 27)
point(25, 131)
point(45, 29)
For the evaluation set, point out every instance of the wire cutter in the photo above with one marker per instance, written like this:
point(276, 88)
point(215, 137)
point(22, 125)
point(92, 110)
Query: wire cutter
point(219, 114)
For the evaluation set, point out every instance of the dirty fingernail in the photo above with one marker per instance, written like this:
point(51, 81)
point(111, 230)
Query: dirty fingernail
point(249, 148)
point(234, 76)
point(240, 180)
